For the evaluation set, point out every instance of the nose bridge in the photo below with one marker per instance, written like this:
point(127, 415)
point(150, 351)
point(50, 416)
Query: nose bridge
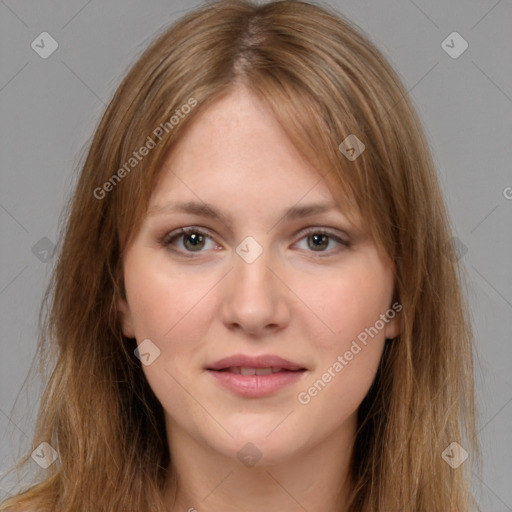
point(253, 299)
point(251, 274)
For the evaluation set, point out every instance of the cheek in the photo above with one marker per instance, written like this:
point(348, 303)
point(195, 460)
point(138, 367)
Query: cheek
point(172, 310)
point(346, 362)
point(350, 303)
point(163, 301)
point(350, 338)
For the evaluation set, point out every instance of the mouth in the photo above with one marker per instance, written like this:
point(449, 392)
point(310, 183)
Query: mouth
point(250, 365)
point(255, 377)
point(237, 370)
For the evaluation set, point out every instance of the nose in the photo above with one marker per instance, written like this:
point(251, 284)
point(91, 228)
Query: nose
point(254, 300)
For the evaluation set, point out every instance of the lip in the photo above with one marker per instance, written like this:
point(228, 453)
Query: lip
point(263, 361)
point(255, 386)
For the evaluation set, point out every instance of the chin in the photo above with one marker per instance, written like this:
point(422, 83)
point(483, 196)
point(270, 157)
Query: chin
point(268, 446)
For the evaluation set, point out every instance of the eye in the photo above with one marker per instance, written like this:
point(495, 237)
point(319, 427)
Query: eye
point(320, 240)
point(192, 240)
point(189, 240)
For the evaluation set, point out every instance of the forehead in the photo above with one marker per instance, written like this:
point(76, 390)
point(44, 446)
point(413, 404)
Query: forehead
point(235, 151)
point(237, 135)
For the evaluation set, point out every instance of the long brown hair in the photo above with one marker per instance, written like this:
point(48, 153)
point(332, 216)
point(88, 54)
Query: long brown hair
point(324, 80)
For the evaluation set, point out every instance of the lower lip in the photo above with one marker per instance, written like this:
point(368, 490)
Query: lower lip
point(255, 386)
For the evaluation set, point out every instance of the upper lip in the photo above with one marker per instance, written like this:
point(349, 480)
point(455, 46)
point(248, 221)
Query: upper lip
point(263, 361)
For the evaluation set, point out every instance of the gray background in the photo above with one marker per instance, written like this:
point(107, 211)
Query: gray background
point(50, 107)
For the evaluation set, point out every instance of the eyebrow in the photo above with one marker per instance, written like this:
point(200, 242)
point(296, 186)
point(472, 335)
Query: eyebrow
point(206, 210)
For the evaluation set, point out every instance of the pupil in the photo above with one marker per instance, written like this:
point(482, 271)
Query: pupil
point(323, 239)
point(195, 239)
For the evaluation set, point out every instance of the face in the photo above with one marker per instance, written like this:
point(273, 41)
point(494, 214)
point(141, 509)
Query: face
point(268, 277)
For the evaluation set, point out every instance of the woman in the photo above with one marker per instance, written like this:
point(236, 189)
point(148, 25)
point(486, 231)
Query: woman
point(256, 304)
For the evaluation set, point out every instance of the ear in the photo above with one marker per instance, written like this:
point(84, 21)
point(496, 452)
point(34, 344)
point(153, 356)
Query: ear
point(393, 326)
point(125, 317)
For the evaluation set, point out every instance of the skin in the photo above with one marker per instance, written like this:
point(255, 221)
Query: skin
point(304, 304)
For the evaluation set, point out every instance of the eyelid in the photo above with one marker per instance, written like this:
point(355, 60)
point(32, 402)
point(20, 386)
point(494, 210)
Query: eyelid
point(185, 231)
point(324, 231)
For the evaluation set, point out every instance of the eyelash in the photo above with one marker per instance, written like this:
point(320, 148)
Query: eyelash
point(167, 240)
